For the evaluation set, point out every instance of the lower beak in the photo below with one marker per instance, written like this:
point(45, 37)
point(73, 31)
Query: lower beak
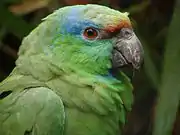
point(127, 50)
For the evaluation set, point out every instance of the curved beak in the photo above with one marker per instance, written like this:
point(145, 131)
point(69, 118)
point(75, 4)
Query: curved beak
point(127, 50)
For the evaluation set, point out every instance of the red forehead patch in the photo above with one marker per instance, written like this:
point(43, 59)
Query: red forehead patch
point(122, 24)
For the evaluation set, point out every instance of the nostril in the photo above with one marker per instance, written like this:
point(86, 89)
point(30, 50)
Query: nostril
point(126, 32)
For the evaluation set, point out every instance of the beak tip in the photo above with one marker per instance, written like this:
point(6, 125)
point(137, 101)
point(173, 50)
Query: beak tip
point(138, 60)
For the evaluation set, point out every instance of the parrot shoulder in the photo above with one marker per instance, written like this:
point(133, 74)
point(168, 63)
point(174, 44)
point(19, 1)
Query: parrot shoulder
point(36, 110)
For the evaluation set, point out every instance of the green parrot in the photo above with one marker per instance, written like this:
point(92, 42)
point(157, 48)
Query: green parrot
point(68, 78)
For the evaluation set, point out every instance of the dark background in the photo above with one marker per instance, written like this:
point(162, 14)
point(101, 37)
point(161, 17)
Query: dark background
point(154, 107)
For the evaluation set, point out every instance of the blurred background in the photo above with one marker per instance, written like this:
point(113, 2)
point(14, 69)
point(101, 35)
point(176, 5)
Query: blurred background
point(156, 22)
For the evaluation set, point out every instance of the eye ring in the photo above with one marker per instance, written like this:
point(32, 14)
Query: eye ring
point(90, 33)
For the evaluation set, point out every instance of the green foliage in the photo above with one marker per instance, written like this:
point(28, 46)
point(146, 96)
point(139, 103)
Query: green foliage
point(169, 91)
point(149, 66)
point(14, 23)
point(10, 1)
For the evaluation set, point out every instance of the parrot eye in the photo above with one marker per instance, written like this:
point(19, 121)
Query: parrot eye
point(90, 33)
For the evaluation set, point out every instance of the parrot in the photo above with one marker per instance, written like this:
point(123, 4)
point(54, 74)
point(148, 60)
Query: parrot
point(67, 79)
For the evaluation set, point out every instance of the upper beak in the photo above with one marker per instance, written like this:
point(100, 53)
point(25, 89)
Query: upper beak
point(127, 50)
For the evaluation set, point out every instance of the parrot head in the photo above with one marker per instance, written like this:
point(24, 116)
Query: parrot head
point(91, 38)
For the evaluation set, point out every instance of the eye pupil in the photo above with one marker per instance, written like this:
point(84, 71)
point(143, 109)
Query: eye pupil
point(90, 33)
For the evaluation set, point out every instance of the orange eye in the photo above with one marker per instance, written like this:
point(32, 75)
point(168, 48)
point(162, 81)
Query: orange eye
point(90, 33)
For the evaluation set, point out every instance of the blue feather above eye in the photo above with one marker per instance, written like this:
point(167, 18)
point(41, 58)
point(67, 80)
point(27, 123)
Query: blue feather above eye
point(75, 24)
point(76, 27)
